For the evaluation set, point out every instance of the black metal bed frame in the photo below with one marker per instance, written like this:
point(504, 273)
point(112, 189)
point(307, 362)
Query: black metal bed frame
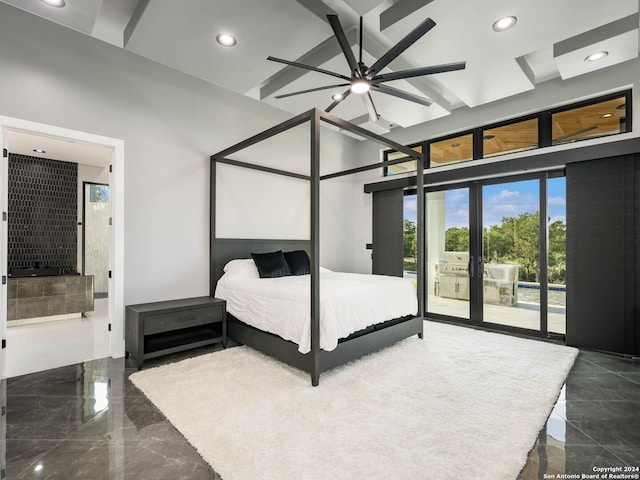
point(224, 249)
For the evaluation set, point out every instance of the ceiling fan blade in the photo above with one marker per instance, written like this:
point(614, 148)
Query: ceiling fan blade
point(404, 95)
point(317, 89)
point(336, 102)
point(344, 44)
point(412, 37)
point(371, 108)
point(418, 72)
point(309, 67)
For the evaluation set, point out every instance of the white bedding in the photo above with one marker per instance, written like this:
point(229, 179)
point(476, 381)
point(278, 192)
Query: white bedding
point(348, 302)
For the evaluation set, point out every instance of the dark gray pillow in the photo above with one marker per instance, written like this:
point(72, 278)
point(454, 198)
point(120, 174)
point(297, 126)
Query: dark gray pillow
point(271, 265)
point(298, 262)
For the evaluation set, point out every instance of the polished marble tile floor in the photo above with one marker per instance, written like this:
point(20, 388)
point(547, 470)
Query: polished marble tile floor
point(40, 346)
point(595, 423)
point(88, 421)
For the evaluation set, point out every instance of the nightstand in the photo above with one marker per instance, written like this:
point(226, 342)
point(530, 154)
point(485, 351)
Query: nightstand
point(162, 328)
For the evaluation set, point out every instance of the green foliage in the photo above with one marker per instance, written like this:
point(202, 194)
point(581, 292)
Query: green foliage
point(557, 252)
point(409, 245)
point(456, 239)
point(516, 240)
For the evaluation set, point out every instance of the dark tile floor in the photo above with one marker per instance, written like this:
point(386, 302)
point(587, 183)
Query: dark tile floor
point(89, 422)
point(595, 423)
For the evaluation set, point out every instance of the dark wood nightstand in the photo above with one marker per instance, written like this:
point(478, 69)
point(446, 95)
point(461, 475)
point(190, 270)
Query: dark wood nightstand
point(162, 328)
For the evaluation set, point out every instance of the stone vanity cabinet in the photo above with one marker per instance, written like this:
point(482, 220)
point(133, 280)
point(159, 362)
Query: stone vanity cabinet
point(36, 297)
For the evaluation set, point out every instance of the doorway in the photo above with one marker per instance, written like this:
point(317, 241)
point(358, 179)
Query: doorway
point(496, 253)
point(114, 304)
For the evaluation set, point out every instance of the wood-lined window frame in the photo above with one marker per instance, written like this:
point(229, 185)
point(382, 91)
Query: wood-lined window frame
point(545, 135)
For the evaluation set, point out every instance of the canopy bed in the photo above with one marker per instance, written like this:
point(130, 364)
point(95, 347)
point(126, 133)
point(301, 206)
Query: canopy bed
point(311, 356)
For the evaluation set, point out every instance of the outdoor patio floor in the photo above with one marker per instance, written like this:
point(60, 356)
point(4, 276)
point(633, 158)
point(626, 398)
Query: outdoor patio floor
point(522, 315)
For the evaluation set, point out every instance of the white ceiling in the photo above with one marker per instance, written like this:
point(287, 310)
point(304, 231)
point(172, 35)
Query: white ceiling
point(27, 143)
point(551, 39)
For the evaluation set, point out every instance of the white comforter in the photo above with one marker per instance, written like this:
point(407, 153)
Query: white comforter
point(348, 302)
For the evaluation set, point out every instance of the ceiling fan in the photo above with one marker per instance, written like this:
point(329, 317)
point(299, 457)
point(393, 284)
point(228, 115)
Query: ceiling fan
point(365, 79)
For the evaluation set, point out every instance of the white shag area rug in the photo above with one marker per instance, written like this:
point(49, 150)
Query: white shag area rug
point(460, 404)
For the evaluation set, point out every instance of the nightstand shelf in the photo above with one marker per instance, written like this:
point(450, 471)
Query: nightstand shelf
point(163, 328)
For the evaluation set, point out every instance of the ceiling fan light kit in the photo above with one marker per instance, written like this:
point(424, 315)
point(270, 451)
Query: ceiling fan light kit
point(360, 86)
point(365, 79)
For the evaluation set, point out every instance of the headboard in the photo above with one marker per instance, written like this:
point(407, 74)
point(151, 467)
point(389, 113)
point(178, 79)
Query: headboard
point(223, 250)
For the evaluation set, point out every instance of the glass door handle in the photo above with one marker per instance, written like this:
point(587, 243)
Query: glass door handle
point(470, 266)
point(480, 267)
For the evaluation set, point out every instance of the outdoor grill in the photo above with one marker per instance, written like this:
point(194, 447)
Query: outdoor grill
point(452, 275)
point(500, 284)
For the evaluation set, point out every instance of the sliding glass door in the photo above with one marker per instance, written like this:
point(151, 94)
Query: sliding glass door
point(491, 259)
point(511, 252)
point(557, 255)
point(447, 236)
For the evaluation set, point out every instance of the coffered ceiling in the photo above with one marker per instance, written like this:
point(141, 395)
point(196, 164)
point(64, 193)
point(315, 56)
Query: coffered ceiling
point(551, 39)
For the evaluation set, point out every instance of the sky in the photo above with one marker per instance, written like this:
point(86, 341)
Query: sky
point(500, 200)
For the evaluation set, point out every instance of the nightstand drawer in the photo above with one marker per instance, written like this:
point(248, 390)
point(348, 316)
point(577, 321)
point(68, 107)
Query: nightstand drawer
point(169, 321)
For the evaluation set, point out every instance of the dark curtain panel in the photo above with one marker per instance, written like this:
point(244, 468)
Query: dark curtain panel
point(603, 256)
point(388, 234)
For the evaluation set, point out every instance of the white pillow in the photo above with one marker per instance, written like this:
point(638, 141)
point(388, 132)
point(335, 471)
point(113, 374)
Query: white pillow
point(241, 268)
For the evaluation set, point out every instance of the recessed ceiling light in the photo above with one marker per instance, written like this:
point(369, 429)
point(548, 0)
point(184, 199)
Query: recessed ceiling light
point(489, 137)
point(607, 115)
point(455, 145)
point(55, 3)
point(337, 96)
point(37, 150)
point(226, 40)
point(360, 86)
point(594, 57)
point(504, 23)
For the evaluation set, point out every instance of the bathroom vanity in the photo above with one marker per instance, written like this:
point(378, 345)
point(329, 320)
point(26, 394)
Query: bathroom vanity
point(43, 298)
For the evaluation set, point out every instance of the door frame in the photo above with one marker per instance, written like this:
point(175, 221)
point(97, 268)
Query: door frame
point(476, 261)
point(116, 187)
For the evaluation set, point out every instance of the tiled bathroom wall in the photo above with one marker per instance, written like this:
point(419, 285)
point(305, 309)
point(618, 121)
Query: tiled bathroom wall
point(42, 213)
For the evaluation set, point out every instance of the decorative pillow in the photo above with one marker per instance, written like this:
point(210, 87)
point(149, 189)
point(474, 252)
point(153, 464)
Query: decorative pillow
point(271, 265)
point(298, 262)
point(241, 268)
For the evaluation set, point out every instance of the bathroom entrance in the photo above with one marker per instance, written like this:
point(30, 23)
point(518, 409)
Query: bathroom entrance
point(45, 342)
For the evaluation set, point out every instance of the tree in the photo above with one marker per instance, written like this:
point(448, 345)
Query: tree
point(516, 240)
point(456, 239)
point(557, 252)
point(498, 243)
point(409, 244)
point(526, 244)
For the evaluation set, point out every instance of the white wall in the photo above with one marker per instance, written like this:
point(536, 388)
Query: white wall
point(283, 210)
point(170, 124)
